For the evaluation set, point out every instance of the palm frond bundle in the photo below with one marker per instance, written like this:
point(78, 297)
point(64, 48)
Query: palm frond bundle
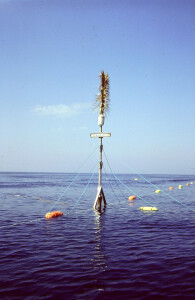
point(102, 99)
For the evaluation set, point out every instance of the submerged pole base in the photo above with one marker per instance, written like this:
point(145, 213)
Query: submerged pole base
point(98, 200)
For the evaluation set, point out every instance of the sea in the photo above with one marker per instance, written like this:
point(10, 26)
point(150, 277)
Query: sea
point(120, 252)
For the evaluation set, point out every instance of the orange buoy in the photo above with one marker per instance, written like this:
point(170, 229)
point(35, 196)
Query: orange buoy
point(132, 197)
point(187, 184)
point(53, 214)
point(171, 188)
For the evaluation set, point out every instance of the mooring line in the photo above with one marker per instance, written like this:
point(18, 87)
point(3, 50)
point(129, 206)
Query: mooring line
point(72, 181)
point(23, 222)
point(132, 191)
point(112, 187)
point(126, 185)
point(43, 218)
point(76, 203)
point(163, 192)
point(115, 179)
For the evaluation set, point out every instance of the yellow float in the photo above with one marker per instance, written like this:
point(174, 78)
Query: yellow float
point(148, 208)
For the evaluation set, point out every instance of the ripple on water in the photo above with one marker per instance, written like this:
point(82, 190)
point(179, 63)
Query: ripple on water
point(121, 254)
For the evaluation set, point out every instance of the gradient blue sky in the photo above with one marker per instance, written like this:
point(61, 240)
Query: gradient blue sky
point(51, 53)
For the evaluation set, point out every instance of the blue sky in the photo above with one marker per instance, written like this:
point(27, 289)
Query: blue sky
point(51, 54)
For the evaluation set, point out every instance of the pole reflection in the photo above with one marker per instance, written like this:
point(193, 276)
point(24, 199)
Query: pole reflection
point(99, 260)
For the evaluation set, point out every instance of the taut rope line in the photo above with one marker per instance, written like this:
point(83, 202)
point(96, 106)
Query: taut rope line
point(112, 186)
point(163, 192)
point(126, 184)
point(43, 218)
point(72, 180)
point(83, 191)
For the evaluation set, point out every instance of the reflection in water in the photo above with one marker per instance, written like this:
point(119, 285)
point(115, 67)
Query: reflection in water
point(131, 203)
point(99, 260)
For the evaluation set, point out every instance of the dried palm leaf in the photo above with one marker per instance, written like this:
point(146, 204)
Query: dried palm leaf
point(102, 99)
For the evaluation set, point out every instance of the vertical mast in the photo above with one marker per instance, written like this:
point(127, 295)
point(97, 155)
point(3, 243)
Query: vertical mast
point(100, 162)
point(102, 102)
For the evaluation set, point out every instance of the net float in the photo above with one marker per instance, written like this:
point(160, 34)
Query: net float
point(148, 208)
point(53, 214)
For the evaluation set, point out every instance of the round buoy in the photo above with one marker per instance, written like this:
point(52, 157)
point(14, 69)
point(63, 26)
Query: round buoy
point(171, 188)
point(180, 186)
point(187, 184)
point(157, 191)
point(53, 214)
point(132, 197)
point(136, 179)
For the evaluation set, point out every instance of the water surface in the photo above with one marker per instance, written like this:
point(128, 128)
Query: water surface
point(122, 253)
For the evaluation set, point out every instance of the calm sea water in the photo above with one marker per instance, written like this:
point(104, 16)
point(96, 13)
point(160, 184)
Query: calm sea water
point(120, 253)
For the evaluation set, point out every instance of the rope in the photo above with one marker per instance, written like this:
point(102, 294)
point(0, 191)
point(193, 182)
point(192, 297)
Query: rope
point(42, 218)
point(23, 222)
point(113, 175)
point(127, 185)
point(112, 187)
point(72, 181)
point(132, 191)
point(83, 191)
point(163, 192)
